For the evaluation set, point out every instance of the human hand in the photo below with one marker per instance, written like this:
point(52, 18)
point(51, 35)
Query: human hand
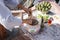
point(27, 11)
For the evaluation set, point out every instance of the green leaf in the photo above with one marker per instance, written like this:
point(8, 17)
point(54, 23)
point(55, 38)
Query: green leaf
point(39, 16)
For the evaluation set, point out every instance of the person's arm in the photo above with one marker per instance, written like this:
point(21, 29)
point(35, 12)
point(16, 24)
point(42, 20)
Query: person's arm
point(7, 19)
point(16, 3)
point(11, 4)
point(25, 9)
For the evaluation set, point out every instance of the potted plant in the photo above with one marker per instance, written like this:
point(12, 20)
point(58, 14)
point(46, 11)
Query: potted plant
point(44, 7)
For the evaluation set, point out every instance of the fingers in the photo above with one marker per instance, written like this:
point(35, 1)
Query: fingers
point(30, 11)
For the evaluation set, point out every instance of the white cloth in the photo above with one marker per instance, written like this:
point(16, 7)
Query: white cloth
point(6, 17)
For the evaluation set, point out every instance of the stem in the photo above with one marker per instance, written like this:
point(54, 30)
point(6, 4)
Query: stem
point(42, 24)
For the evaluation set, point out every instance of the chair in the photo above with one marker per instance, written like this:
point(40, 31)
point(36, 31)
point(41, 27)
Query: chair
point(3, 33)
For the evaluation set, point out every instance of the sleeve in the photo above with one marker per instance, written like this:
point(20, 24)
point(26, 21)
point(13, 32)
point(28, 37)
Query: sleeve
point(11, 22)
point(14, 20)
point(12, 3)
point(7, 19)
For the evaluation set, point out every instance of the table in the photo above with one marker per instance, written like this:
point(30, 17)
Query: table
point(49, 33)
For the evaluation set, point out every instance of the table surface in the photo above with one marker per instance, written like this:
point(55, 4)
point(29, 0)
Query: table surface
point(49, 33)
